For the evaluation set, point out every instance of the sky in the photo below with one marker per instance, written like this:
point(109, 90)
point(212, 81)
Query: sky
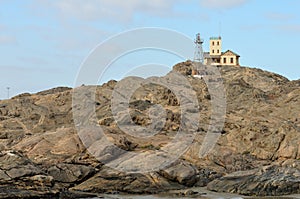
point(43, 43)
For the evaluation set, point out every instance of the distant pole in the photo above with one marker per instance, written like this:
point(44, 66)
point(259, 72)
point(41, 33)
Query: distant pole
point(8, 92)
point(220, 29)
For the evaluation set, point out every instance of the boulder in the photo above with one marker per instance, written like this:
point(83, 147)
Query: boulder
point(109, 180)
point(266, 181)
point(70, 173)
point(182, 172)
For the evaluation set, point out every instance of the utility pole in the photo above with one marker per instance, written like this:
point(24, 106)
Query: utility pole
point(7, 92)
point(220, 29)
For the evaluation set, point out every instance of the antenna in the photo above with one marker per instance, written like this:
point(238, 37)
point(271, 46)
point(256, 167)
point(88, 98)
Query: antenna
point(220, 28)
point(7, 92)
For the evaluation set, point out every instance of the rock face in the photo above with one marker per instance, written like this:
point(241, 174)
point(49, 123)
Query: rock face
point(109, 181)
point(257, 152)
point(267, 181)
point(70, 173)
point(181, 172)
point(18, 171)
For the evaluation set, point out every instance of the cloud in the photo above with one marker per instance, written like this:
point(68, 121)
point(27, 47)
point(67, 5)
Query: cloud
point(11, 70)
point(78, 38)
point(295, 28)
point(279, 16)
point(73, 15)
point(222, 4)
point(37, 61)
point(7, 39)
point(254, 27)
point(116, 10)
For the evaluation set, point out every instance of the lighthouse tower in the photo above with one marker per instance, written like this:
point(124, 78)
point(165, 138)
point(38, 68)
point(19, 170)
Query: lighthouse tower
point(198, 56)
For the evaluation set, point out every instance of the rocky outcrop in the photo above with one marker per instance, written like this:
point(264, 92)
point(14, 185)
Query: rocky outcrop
point(267, 181)
point(182, 172)
point(70, 173)
point(109, 181)
point(18, 171)
point(184, 68)
point(257, 152)
point(51, 147)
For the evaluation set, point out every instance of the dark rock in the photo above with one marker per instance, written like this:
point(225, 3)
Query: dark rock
point(54, 90)
point(205, 176)
point(21, 178)
point(267, 181)
point(184, 68)
point(10, 192)
point(75, 195)
point(182, 172)
point(108, 180)
point(70, 173)
point(21, 95)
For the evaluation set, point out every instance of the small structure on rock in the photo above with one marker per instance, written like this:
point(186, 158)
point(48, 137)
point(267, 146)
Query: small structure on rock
point(198, 57)
point(215, 56)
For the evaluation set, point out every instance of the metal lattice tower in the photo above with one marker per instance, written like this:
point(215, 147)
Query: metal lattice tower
point(198, 56)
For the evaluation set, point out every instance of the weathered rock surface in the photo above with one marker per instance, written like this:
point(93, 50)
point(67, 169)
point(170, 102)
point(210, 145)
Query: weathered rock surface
point(267, 181)
point(182, 172)
point(42, 153)
point(109, 181)
point(18, 171)
point(70, 173)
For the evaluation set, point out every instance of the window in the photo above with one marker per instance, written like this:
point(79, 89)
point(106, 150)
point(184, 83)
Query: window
point(224, 60)
point(231, 60)
point(218, 43)
point(218, 51)
point(213, 43)
point(213, 51)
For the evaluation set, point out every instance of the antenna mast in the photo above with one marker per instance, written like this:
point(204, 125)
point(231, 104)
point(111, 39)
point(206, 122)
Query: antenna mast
point(220, 28)
point(198, 56)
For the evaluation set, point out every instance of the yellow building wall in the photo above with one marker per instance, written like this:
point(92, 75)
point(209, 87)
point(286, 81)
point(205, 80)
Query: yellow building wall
point(230, 60)
point(215, 46)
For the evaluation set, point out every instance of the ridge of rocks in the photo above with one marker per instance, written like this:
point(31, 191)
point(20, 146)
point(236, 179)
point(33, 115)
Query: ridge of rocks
point(258, 152)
